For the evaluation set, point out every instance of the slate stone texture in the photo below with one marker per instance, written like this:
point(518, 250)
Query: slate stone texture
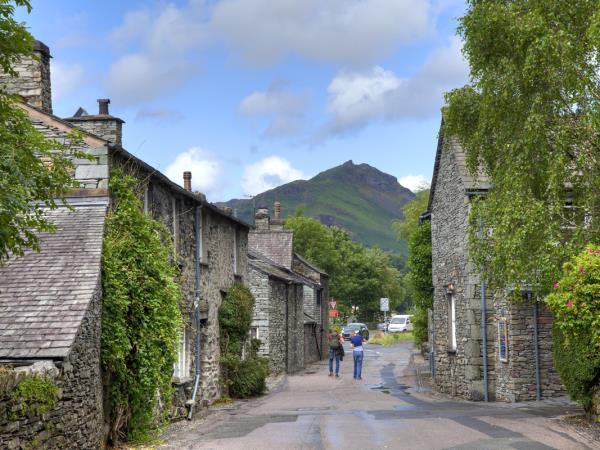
point(50, 310)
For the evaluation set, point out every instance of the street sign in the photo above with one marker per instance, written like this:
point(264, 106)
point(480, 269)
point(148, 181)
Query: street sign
point(332, 305)
point(384, 304)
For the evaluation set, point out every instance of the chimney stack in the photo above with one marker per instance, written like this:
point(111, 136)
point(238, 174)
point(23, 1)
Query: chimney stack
point(187, 181)
point(277, 210)
point(262, 220)
point(103, 106)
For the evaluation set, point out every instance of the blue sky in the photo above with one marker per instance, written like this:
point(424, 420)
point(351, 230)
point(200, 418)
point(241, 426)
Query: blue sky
point(250, 94)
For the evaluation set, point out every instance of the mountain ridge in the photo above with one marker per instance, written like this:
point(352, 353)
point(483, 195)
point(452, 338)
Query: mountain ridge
point(357, 197)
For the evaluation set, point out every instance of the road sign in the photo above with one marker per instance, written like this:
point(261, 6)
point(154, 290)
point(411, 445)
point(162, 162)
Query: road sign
point(332, 305)
point(384, 304)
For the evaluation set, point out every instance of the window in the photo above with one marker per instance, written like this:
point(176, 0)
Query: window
point(451, 323)
point(180, 369)
point(503, 340)
point(235, 251)
point(320, 296)
point(254, 333)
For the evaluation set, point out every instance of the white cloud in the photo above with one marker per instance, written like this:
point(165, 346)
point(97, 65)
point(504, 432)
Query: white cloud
point(284, 109)
point(414, 182)
point(268, 173)
point(360, 97)
point(354, 32)
point(66, 78)
point(163, 62)
point(205, 167)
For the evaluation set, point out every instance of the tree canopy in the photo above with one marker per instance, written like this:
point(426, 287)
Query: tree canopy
point(34, 172)
point(359, 276)
point(530, 119)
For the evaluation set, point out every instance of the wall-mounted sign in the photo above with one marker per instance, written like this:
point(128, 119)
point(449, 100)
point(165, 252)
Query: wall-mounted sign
point(384, 304)
point(332, 304)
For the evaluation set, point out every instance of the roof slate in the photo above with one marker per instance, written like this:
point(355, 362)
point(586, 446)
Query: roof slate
point(44, 296)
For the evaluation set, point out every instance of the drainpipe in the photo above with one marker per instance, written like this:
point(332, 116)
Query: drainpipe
point(484, 340)
point(198, 230)
point(287, 328)
point(536, 349)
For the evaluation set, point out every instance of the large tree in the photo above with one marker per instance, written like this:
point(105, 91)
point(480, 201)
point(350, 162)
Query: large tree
point(34, 172)
point(530, 120)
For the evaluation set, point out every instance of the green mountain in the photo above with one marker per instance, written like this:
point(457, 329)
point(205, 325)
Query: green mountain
point(357, 197)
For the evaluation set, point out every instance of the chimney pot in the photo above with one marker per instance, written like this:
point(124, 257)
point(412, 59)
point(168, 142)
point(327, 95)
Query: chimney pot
point(103, 106)
point(187, 181)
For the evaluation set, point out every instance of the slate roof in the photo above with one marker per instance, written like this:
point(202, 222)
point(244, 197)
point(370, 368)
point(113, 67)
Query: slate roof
point(271, 268)
point(44, 296)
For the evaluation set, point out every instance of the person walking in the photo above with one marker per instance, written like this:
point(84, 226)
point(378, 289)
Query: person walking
point(336, 351)
point(357, 353)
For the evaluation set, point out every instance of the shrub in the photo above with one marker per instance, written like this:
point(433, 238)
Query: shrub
point(575, 302)
point(241, 378)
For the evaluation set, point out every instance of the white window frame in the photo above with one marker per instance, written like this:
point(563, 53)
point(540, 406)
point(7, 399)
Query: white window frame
point(503, 334)
point(452, 323)
point(252, 330)
point(180, 369)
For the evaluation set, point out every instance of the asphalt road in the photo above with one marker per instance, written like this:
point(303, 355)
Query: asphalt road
point(389, 408)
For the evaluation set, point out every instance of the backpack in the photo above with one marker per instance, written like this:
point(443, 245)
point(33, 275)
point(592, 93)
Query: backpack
point(334, 344)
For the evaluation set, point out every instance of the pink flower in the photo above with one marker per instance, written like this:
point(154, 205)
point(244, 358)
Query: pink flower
point(597, 251)
point(590, 251)
point(569, 303)
point(581, 269)
point(555, 285)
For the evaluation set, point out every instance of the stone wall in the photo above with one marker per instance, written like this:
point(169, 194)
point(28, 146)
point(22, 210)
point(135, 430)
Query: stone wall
point(516, 378)
point(261, 289)
point(459, 372)
point(104, 126)
point(278, 326)
point(33, 81)
point(77, 419)
point(312, 335)
point(217, 273)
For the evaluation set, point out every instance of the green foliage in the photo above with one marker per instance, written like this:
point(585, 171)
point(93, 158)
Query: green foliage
point(141, 319)
point(389, 339)
point(359, 276)
point(418, 280)
point(530, 119)
point(241, 378)
point(36, 394)
point(34, 172)
point(575, 304)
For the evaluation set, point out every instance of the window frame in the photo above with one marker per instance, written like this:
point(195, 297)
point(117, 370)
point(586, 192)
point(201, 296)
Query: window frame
point(452, 342)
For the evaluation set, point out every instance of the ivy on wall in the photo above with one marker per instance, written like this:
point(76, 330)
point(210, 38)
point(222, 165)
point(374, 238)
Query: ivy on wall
point(140, 315)
point(240, 377)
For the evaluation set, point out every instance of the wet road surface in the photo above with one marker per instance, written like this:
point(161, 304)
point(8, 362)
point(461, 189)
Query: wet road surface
point(387, 409)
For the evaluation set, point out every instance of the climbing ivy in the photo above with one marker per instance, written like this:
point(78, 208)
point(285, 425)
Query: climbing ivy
point(140, 315)
point(240, 377)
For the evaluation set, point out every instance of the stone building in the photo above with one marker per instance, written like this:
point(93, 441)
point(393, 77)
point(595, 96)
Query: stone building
point(516, 360)
point(210, 248)
point(288, 290)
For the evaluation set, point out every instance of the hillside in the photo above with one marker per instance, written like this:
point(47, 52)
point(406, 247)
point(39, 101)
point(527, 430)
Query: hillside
point(357, 197)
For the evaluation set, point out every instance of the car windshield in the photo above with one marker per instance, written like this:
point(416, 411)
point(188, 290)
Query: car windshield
point(398, 320)
point(353, 326)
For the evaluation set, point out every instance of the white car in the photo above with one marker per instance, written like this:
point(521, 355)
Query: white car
point(400, 323)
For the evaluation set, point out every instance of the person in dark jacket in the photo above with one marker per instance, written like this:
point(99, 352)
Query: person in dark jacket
point(336, 351)
point(358, 353)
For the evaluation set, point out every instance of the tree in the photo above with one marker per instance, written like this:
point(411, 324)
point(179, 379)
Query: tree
point(35, 173)
point(530, 120)
point(359, 276)
point(418, 280)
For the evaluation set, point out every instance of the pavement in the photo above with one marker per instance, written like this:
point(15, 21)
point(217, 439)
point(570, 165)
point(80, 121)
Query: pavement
point(392, 407)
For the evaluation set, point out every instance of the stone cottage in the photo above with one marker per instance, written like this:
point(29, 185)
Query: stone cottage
point(210, 248)
point(479, 342)
point(289, 291)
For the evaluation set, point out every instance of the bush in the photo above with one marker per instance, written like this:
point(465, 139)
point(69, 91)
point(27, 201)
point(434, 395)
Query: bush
point(576, 306)
point(578, 364)
point(241, 378)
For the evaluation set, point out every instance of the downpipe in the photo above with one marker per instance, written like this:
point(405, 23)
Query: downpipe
point(536, 349)
point(198, 230)
point(484, 340)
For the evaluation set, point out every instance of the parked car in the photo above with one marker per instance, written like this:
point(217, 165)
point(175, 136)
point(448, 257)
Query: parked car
point(348, 330)
point(383, 325)
point(400, 323)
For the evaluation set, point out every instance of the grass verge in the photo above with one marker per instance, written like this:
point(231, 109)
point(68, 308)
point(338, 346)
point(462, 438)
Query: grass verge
point(388, 339)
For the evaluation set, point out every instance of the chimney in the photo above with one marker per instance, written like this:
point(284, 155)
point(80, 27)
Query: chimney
point(33, 80)
point(102, 124)
point(276, 224)
point(262, 221)
point(103, 106)
point(187, 181)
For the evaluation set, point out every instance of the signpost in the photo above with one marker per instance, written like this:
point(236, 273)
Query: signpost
point(384, 305)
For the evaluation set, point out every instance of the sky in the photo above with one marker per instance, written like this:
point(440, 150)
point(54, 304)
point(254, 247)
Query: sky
point(252, 94)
